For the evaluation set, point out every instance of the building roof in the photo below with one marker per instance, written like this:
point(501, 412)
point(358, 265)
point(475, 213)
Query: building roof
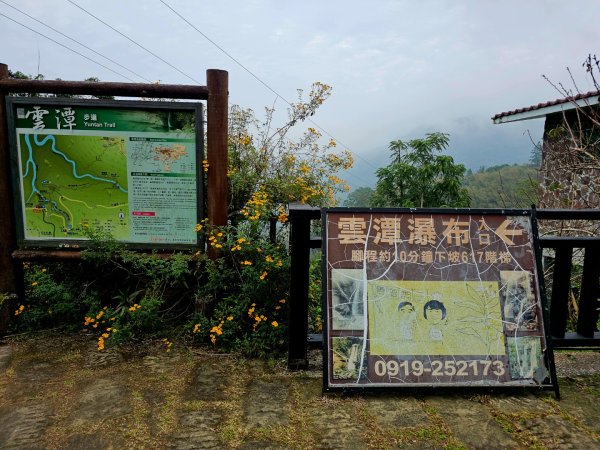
point(543, 109)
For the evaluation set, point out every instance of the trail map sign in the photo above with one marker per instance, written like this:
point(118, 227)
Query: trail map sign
point(423, 298)
point(127, 168)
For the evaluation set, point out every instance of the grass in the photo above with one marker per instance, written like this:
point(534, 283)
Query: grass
point(156, 392)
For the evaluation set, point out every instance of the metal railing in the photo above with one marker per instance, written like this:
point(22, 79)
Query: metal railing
point(560, 284)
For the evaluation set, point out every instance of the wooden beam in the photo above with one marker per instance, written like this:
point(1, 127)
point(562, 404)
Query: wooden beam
point(104, 89)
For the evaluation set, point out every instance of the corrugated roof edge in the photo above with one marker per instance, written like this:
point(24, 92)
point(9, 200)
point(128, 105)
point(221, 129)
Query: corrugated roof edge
point(559, 101)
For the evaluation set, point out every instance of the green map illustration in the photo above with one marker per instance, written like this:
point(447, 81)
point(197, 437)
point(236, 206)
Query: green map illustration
point(72, 182)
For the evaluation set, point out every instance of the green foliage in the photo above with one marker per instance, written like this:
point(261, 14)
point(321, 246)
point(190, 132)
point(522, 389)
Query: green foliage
point(359, 197)
point(315, 299)
point(235, 300)
point(264, 164)
point(505, 186)
point(418, 177)
point(18, 75)
point(535, 157)
point(50, 300)
point(250, 281)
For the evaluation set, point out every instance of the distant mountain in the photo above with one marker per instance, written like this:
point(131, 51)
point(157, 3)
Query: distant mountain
point(505, 186)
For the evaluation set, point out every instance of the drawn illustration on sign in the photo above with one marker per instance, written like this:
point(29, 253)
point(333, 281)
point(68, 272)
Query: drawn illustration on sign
point(428, 299)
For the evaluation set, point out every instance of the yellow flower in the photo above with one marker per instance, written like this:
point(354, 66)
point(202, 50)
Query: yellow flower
point(268, 258)
point(282, 301)
point(230, 318)
point(275, 324)
point(213, 338)
point(246, 263)
point(35, 283)
point(198, 227)
point(263, 275)
point(196, 328)
point(105, 335)
point(283, 217)
point(43, 270)
point(99, 315)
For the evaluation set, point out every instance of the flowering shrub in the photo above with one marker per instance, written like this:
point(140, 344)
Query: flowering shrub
point(235, 302)
point(248, 285)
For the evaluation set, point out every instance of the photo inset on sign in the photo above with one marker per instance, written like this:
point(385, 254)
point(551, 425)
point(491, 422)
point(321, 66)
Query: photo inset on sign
point(435, 318)
point(520, 311)
point(347, 299)
point(347, 354)
point(526, 359)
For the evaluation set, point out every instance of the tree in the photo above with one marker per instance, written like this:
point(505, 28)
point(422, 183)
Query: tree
point(267, 170)
point(417, 177)
point(18, 75)
point(505, 186)
point(359, 197)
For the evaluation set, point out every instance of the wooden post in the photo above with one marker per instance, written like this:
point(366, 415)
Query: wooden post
point(217, 115)
point(8, 275)
point(300, 245)
point(299, 268)
point(561, 289)
point(588, 297)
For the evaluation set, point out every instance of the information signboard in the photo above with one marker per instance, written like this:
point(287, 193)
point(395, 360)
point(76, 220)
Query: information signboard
point(127, 168)
point(432, 298)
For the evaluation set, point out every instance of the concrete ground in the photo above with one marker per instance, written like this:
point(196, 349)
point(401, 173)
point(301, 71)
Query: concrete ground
point(59, 392)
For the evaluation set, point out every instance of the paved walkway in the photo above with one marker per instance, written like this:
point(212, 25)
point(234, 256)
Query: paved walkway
point(59, 392)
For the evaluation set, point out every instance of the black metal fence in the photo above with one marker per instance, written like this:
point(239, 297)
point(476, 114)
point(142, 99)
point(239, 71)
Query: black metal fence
point(563, 284)
point(565, 306)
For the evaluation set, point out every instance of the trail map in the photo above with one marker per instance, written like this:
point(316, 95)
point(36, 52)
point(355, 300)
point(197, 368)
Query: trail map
point(129, 173)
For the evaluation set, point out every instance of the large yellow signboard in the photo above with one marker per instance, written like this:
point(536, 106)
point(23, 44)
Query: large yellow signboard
point(433, 298)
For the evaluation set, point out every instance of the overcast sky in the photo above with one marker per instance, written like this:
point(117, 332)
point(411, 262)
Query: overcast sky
point(399, 69)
